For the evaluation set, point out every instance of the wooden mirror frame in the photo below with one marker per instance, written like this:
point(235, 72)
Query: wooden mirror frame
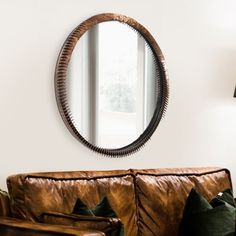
point(61, 77)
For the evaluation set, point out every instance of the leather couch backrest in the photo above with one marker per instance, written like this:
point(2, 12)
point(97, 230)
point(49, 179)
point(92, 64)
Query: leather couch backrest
point(148, 202)
point(34, 194)
point(161, 196)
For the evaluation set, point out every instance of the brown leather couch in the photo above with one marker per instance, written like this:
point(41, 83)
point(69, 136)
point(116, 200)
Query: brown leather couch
point(147, 202)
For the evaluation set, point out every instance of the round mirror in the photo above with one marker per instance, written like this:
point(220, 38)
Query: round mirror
point(111, 84)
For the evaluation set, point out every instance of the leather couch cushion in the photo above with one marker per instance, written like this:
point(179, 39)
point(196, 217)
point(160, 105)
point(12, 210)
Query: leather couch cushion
point(162, 196)
point(35, 194)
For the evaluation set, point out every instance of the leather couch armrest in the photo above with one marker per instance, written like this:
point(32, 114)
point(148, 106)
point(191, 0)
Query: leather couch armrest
point(80, 217)
point(16, 227)
point(4, 204)
point(108, 225)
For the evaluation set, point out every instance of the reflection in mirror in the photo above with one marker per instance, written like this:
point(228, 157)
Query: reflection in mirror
point(111, 85)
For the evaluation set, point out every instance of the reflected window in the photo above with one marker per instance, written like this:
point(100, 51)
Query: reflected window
point(112, 85)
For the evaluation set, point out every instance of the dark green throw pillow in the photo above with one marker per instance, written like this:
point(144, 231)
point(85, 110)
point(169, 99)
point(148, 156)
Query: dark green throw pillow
point(81, 209)
point(203, 218)
point(103, 209)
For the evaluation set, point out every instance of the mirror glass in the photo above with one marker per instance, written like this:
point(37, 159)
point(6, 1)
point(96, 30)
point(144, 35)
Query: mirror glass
point(111, 85)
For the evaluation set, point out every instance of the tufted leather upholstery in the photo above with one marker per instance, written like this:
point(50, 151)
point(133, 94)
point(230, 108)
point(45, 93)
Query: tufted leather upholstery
point(148, 202)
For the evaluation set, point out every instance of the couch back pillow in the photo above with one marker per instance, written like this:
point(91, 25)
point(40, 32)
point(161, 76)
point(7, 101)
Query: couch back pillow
point(162, 196)
point(34, 194)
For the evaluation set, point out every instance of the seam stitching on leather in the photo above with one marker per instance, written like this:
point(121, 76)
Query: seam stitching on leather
point(136, 202)
point(76, 178)
point(26, 214)
point(185, 174)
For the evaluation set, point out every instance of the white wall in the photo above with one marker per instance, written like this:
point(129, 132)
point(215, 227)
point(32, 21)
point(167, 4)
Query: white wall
point(198, 39)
